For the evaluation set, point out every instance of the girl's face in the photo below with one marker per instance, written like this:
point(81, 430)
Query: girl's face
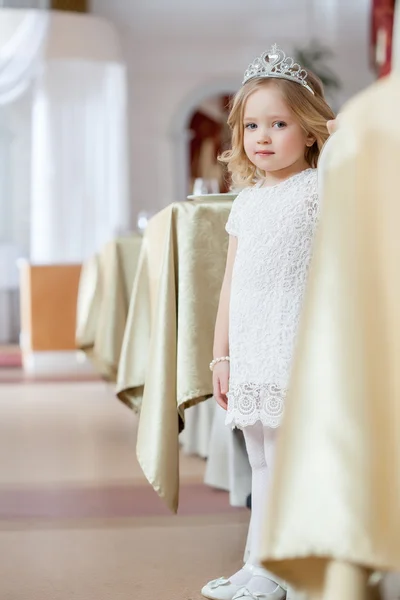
point(273, 140)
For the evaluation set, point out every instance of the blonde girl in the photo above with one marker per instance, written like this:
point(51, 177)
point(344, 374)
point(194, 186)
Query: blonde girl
point(279, 125)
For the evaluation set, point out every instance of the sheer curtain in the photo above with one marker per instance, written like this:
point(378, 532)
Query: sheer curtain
point(63, 143)
point(21, 57)
point(79, 160)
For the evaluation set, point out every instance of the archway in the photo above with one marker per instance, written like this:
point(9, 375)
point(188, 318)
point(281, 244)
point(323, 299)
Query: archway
point(179, 130)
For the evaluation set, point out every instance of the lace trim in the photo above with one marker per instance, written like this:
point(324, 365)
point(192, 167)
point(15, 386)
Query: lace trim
point(252, 402)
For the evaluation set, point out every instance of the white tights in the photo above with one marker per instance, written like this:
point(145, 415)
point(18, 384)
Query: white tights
point(260, 445)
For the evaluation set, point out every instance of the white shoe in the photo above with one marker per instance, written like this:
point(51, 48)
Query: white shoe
point(222, 588)
point(278, 594)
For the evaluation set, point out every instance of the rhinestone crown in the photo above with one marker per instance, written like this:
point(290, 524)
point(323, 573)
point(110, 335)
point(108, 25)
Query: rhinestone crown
point(275, 63)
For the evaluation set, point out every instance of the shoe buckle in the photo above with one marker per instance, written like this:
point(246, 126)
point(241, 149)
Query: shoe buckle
point(216, 583)
point(245, 593)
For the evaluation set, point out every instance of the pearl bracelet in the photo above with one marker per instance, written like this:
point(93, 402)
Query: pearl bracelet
point(218, 360)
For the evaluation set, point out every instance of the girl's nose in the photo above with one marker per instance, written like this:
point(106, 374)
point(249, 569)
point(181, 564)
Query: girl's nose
point(264, 138)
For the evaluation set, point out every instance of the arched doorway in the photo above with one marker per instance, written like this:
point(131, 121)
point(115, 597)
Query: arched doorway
point(204, 107)
point(209, 136)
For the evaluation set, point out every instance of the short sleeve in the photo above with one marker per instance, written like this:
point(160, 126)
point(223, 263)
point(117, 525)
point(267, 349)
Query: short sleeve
point(313, 208)
point(312, 199)
point(233, 223)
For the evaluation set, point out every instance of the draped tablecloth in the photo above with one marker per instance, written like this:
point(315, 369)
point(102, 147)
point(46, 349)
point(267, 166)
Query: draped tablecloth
point(228, 466)
point(168, 338)
point(103, 300)
point(334, 515)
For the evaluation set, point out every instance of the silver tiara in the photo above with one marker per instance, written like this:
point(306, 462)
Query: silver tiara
point(275, 63)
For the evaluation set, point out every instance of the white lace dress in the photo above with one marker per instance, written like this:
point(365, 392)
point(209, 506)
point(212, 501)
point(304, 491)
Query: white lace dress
point(275, 229)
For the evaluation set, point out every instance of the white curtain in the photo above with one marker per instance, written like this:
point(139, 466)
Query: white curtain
point(63, 156)
point(21, 58)
point(79, 160)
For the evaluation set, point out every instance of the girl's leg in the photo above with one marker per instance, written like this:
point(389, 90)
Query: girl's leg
point(260, 444)
point(254, 438)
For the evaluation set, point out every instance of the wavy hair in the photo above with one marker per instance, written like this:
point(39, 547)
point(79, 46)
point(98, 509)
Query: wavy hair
point(311, 111)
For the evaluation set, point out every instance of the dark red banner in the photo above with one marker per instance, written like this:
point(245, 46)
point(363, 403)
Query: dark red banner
point(382, 18)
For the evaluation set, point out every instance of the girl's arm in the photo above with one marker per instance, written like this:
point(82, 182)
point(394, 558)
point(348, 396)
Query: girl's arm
point(221, 334)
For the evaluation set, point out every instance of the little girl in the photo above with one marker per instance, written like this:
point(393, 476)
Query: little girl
point(279, 125)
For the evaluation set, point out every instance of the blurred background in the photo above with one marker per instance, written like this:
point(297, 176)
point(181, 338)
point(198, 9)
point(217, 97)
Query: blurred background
point(112, 109)
point(112, 112)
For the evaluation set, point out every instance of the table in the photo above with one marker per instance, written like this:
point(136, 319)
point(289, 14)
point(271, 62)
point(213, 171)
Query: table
point(103, 300)
point(168, 339)
point(228, 466)
point(334, 512)
point(196, 436)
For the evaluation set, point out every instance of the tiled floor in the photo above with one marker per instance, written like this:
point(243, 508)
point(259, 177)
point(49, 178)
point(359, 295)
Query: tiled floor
point(71, 434)
point(78, 520)
point(9, 374)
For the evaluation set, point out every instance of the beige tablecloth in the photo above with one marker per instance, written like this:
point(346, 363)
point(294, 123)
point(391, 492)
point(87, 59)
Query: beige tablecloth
point(103, 300)
point(168, 339)
point(228, 466)
point(334, 515)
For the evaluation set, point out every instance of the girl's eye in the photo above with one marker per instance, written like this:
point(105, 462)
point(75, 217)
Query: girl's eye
point(279, 124)
point(251, 126)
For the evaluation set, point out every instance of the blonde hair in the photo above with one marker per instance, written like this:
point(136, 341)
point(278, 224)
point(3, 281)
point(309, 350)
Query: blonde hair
point(311, 111)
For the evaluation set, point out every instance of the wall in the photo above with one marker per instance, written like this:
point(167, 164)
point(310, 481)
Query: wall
point(177, 53)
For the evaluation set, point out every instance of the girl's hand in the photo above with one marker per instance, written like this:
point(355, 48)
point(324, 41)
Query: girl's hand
point(221, 383)
point(332, 126)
